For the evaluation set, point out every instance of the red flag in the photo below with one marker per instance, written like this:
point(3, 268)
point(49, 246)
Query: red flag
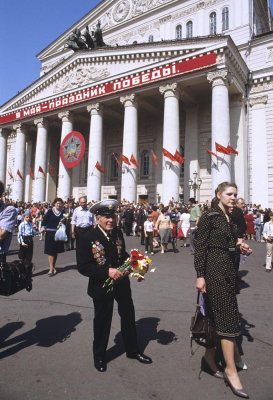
point(134, 161)
point(52, 170)
point(19, 174)
point(99, 167)
point(10, 173)
point(40, 169)
point(212, 153)
point(221, 149)
point(168, 154)
point(232, 150)
point(117, 160)
point(155, 159)
point(179, 158)
point(125, 159)
point(30, 173)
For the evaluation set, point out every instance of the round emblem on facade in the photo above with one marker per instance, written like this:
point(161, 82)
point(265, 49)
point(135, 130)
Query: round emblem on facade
point(72, 149)
point(121, 10)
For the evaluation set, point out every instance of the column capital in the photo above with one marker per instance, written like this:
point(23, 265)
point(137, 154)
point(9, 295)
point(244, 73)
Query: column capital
point(258, 101)
point(129, 100)
point(218, 77)
point(4, 132)
point(18, 127)
point(95, 108)
point(41, 123)
point(65, 116)
point(169, 90)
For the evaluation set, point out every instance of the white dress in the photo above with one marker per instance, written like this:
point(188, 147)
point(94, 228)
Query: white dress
point(185, 223)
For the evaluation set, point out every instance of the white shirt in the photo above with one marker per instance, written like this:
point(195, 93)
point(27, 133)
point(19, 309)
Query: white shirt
point(82, 217)
point(148, 226)
point(185, 218)
point(268, 230)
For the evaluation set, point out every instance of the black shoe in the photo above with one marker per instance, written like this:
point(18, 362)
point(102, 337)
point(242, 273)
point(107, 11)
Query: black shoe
point(206, 368)
point(100, 365)
point(238, 392)
point(140, 357)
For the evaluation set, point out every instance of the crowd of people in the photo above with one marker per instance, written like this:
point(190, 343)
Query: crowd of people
point(214, 233)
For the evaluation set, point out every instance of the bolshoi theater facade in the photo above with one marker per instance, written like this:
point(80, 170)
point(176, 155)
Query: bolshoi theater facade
point(170, 76)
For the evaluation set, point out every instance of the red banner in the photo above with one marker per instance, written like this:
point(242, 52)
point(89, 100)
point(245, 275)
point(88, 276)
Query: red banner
point(221, 149)
point(134, 161)
point(155, 159)
point(168, 154)
point(211, 152)
point(179, 158)
point(144, 78)
point(232, 150)
point(99, 167)
point(125, 159)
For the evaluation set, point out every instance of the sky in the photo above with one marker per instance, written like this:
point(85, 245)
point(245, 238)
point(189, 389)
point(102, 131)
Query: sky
point(26, 28)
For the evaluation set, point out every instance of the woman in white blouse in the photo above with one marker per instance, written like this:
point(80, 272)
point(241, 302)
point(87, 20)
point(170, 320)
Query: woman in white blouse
point(185, 224)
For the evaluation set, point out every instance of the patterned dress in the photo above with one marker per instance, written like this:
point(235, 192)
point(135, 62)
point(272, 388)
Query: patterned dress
point(214, 260)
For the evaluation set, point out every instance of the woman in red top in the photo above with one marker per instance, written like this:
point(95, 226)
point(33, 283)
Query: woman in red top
point(250, 228)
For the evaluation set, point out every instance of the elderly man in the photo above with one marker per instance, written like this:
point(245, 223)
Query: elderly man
point(239, 220)
point(82, 220)
point(8, 219)
point(101, 250)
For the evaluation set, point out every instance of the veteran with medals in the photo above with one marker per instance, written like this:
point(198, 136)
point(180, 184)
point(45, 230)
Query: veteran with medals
point(100, 251)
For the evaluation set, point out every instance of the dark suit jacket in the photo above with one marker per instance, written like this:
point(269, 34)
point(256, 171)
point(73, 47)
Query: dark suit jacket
point(96, 254)
point(239, 220)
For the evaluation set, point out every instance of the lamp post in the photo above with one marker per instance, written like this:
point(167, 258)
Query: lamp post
point(195, 184)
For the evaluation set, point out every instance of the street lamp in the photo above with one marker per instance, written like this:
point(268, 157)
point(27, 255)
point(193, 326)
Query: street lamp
point(195, 184)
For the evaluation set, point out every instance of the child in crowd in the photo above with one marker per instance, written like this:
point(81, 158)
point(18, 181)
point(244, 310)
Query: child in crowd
point(148, 233)
point(25, 238)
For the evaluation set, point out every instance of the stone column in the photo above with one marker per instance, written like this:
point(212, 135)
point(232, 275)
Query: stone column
point(28, 180)
point(259, 152)
point(220, 126)
point(20, 157)
point(238, 140)
point(95, 151)
point(3, 155)
point(64, 184)
point(129, 147)
point(40, 160)
point(170, 170)
point(191, 150)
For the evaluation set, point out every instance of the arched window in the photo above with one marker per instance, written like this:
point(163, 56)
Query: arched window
point(225, 19)
point(178, 32)
point(151, 38)
point(113, 167)
point(189, 29)
point(145, 164)
point(212, 23)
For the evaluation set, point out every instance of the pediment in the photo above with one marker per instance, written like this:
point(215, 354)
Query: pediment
point(86, 68)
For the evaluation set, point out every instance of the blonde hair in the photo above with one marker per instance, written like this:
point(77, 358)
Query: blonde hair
point(222, 186)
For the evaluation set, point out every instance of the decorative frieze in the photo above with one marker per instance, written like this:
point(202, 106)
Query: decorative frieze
point(262, 87)
point(81, 76)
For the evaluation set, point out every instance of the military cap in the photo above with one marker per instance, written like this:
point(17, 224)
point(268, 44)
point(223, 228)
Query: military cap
point(105, 207)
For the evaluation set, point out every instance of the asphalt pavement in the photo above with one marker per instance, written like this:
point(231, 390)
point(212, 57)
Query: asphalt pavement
point(46, 335)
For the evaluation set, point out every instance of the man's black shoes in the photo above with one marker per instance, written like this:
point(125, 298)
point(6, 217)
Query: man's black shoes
point(140, 357)
point(100, 365)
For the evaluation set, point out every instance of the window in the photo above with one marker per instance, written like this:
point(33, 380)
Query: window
point(145, 164)
point(225, 19)
point(178, 30)
point(182, 167)
point(189, 29)
point(151, 38)
point(114, 167)
point(212, 23)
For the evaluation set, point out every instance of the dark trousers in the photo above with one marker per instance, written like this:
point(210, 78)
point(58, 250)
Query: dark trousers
point(26, 253)
point(128, 228)
point(192, 235)
point(103, 309)
point(149, 242)
point(79, 232)
point(142, 234)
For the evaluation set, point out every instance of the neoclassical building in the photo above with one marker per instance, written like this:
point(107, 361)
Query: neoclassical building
point(174, 74)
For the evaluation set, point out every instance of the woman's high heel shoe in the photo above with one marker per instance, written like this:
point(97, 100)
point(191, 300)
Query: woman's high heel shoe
point(241, 365)
point(238, 392)
point(206, 368)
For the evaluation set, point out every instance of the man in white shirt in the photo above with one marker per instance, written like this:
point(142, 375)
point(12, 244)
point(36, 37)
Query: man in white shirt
point(268, 237)
point(82, 219)
point(148, 233)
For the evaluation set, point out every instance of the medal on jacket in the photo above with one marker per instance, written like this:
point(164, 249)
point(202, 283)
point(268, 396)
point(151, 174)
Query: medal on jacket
point(98, 252)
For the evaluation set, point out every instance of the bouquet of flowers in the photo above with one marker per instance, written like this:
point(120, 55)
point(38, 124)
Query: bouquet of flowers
point(137, 265)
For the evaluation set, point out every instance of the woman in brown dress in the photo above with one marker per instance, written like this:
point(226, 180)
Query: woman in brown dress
point(216, 277)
